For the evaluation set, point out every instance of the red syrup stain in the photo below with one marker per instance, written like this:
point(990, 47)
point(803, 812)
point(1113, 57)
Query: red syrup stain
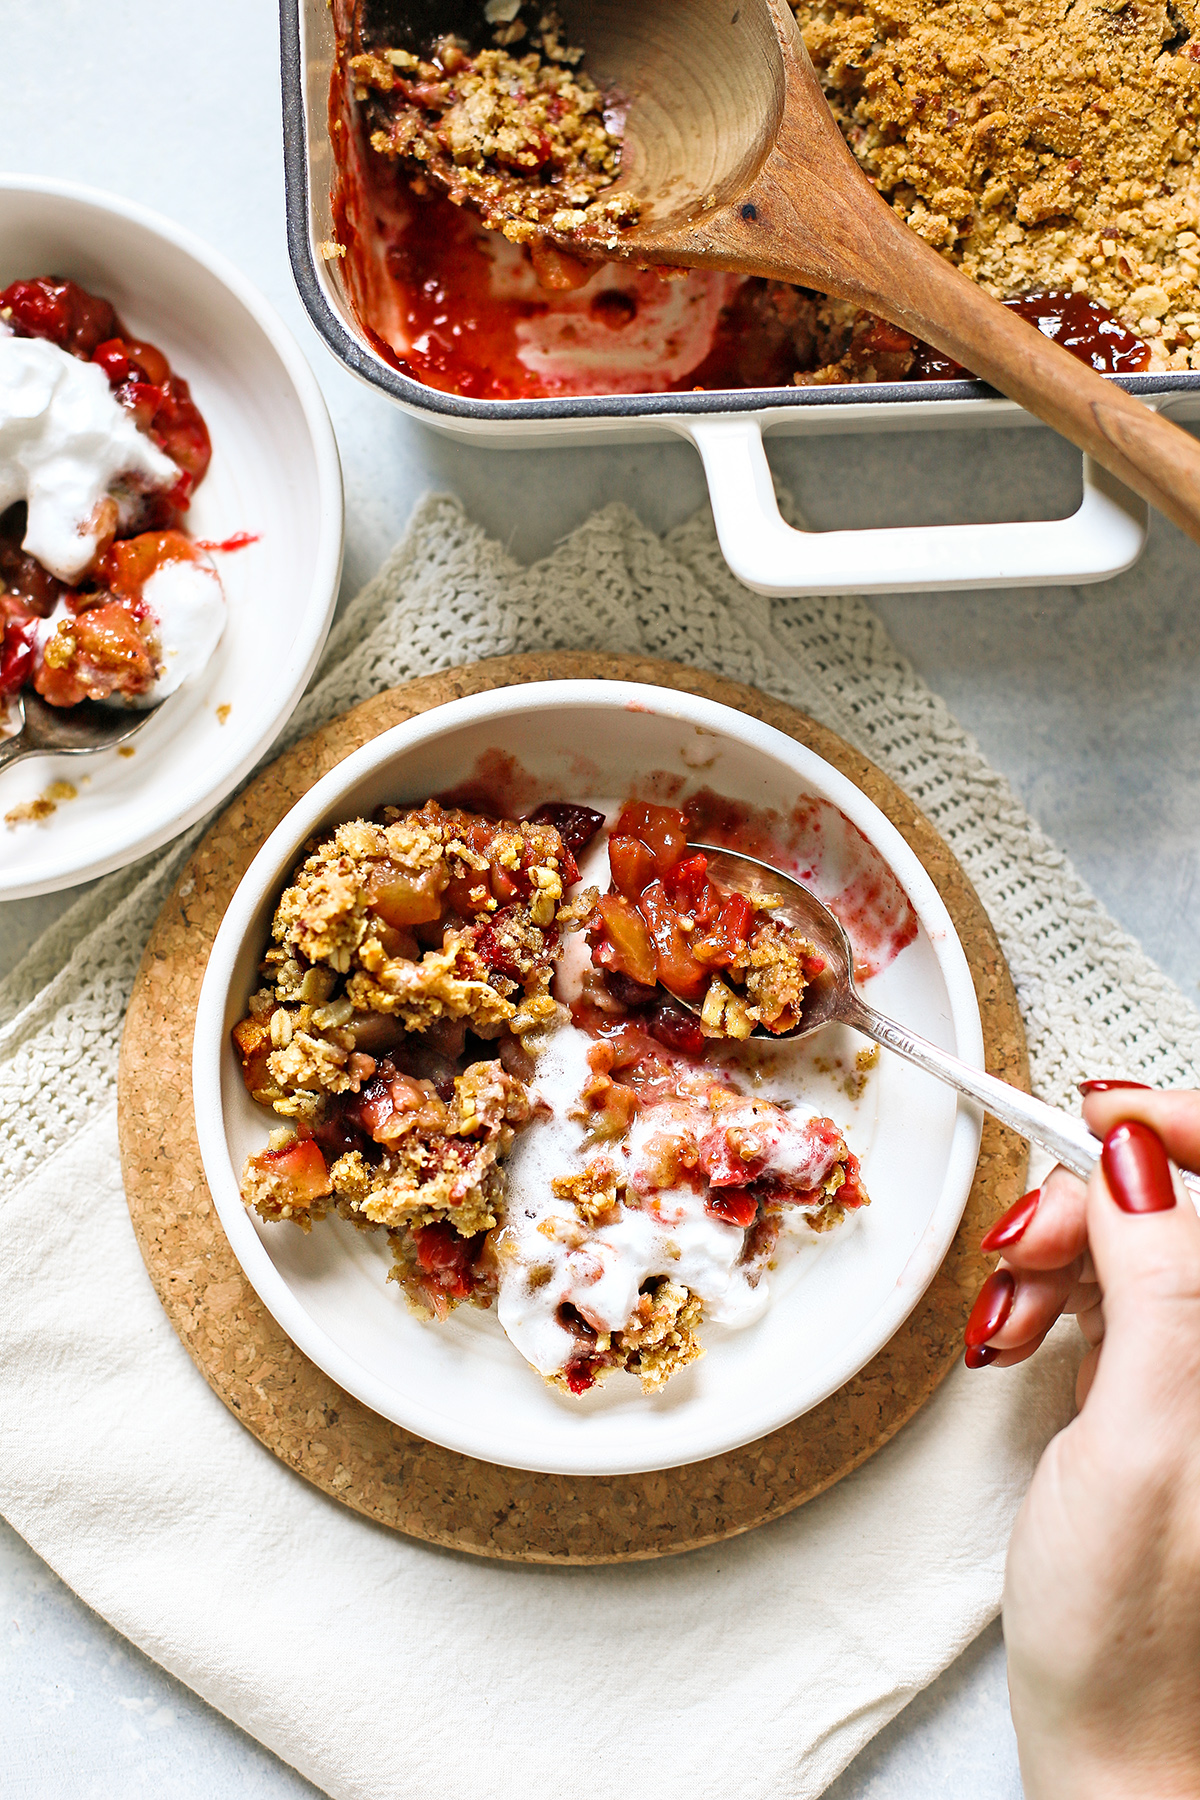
point(825, 851)
point(241, 540)
point(499, 787)
point(1081, 325)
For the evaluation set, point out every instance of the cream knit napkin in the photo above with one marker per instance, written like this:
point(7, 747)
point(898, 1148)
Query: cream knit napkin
point(379, 1667)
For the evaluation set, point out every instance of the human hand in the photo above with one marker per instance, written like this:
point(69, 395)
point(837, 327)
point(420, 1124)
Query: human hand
point(1102, 1593)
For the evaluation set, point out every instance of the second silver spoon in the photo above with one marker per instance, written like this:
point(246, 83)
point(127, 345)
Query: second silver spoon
point(69, 730)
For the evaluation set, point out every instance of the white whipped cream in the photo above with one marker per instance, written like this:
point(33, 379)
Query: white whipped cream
point(188, 606)
point(600, 1272)
point(670, 331)
point(188, 601)
point(64, 440)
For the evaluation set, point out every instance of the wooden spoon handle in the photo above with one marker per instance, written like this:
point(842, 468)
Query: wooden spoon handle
point(812, 217)
point(930, 298)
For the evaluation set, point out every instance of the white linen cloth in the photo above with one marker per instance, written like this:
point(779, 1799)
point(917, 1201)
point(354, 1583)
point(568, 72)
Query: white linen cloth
point(381, 1667)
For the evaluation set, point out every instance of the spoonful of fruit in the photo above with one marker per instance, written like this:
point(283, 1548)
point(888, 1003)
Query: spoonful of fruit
point(828, 993)
point(731, 159)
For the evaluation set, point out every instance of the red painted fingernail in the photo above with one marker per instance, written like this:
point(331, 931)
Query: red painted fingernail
point(991, 1309)
point(978, 1356)
point(1105, 1086)
point(1136, 1169)
point(1013, 1224)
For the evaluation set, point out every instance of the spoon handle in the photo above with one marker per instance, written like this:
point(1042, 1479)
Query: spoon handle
point(1155, 458)
point(1066, 1137)
point(13, 748)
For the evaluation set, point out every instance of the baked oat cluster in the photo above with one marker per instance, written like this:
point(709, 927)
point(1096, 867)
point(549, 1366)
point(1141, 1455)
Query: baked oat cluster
point(522, 139)
point(399, 940)
point(1040, 147)
point(407, 1030)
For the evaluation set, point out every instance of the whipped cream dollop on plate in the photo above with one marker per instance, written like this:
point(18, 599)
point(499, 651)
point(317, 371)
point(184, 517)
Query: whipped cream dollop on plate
point(64, 442)
point(188, 601)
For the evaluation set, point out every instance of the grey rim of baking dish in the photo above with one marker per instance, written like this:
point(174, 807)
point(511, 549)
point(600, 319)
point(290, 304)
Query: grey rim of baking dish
point(374, 370)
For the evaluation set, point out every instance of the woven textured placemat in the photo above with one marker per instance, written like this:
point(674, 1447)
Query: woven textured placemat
point(361, 1459)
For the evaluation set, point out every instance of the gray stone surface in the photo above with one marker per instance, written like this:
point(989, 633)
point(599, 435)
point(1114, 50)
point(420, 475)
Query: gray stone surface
point(1084, 698)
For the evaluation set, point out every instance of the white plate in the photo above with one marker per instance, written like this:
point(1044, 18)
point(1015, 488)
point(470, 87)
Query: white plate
point(274, 471)
point(462, 1384)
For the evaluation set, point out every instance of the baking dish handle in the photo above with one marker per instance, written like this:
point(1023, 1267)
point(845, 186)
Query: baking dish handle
point(1104, 536)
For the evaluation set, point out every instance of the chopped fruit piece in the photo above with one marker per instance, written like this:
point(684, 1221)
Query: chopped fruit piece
point(677, 1029)
point(633, 865)
point(59, 311)
point(289, 1183)
point(581, 1374)
point(128, 564)
point(409, 899)
point(662, 829)
point(628, 947)
point(16, 653)
point(107, 649)
point(687, 882)
point(575, 825)
point(736, 1208)
point(252, 1043)
point(303, 1166)
point(678, 970)
point(445, 1258)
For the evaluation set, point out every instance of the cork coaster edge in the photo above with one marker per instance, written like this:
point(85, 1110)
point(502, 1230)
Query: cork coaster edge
point(377, 1468)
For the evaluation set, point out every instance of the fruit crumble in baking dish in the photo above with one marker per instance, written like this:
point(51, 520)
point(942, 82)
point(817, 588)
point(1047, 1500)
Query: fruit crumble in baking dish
point(521, 138)
point(103, 594)
point(473, 1055)
point(1050, 154)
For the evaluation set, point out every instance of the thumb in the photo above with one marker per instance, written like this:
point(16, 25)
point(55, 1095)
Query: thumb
point(1145, 1241)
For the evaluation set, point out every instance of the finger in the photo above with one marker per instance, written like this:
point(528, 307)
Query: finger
point(1012, 1314)
point(1174, 1116)
point(1038, 1300)
point(1145, 1242)
point(1046, 1229)
point(1008, 1359)
point(1090, 1320)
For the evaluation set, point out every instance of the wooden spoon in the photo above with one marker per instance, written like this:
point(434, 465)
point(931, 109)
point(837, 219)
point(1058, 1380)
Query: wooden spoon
point(738, 164)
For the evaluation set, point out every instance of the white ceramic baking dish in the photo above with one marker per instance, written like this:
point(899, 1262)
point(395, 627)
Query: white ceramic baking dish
point(1102, 537)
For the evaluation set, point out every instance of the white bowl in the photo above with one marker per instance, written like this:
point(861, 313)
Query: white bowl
point(274, 471)
point(462, 1384)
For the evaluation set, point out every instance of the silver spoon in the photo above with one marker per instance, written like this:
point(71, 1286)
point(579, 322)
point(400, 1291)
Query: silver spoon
point(68, 730)
point(832, 996)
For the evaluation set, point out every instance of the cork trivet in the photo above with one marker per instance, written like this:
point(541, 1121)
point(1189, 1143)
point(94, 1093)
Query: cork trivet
point(377, 1468)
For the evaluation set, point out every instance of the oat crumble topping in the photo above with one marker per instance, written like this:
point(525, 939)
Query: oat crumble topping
point(521, 138)
point(1039, 145)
